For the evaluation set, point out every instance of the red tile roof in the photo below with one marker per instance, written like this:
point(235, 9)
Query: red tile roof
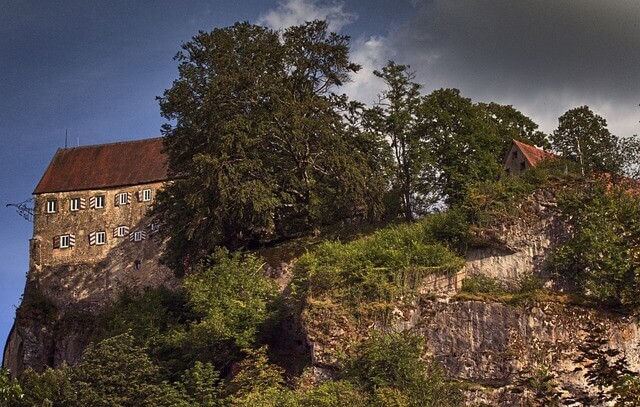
point(533, 154)
point(105, 166)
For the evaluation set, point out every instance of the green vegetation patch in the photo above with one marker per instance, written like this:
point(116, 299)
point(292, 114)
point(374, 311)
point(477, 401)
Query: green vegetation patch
point(378, 267)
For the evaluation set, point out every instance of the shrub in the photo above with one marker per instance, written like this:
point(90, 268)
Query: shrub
point(480, 284)
point(601, 255)
point(378, 267)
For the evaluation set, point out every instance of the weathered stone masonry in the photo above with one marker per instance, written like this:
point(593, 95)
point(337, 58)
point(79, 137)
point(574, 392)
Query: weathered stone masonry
point(93, 238)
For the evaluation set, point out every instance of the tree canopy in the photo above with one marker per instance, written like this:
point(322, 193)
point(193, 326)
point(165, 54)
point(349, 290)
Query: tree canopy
point(583, 136)
point(257, 139)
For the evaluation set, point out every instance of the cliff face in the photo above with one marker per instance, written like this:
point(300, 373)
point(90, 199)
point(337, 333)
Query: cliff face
point(65, 288)
point(496, 347)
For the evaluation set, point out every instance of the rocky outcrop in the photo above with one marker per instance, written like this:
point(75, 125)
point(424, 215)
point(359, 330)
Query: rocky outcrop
point(494, 346)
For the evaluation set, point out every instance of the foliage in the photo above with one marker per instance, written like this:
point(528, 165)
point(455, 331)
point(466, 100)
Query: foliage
point(393, 361)
point(256, 374)
point(116, 372)
point(38, 301)
point(583, 136)
point(10, 390)
point(464, 142)
point(512, 124)
point(51, 386)
point(601, 255)
point(146, 315)
point(378, 267)
point(257, 139)
point(396, 119)
point(480, 284)
point(203, 384)
point(629, 149)
point(232, 297)
point(606, 369)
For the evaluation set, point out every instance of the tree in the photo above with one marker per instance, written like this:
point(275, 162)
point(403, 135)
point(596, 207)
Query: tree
point(257, 140)
point(466, 145)
point(512, 124)
point(10, 390)
point(583, 136)
point(395, 119)
point(115, 372)
point(601, 254)
point(233, 299)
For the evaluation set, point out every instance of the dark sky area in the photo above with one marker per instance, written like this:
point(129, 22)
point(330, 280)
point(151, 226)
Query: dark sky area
point(94, 68)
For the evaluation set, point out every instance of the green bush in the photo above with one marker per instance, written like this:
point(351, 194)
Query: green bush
point(390, 366)
point(480, 284)
point(378, 267)
point(601, 255)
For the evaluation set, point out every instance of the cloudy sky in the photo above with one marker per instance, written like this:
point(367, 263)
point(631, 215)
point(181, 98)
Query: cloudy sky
point(95, 67)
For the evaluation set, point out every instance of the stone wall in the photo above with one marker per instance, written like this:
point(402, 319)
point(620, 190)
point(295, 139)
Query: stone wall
point(80, 280)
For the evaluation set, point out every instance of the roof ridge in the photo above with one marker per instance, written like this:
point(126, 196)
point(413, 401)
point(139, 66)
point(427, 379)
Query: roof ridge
point(110, 144)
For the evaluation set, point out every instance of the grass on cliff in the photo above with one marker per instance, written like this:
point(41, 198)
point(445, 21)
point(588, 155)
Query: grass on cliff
point(377, 269)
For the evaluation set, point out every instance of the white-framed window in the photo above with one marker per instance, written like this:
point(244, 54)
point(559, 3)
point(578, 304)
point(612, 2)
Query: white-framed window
point(99, 201)
point(74, 204)
point(154, 227)
point(52, 206)
point(146, 195)
point(123, 198)
point(97, 238)
point(121, 231)
point(65, 241)
point(137, 236)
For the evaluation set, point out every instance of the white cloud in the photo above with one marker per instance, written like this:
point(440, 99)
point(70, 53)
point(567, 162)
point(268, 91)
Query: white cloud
point(372, 53)
point(296, 12)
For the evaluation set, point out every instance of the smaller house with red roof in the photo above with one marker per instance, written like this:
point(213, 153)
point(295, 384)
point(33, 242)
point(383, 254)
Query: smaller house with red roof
point(522, 156)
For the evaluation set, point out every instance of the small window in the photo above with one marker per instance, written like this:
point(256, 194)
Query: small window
point(123, 198)
point(523, 166)
point(146, 195)
point(65, 241)
point(121, 231)
point(154, 227)
point(75, 204)
point(515, 154)
point(137, 237)
point(101, 238)
point(52, 206)
point(137, 264)
point(99, 202)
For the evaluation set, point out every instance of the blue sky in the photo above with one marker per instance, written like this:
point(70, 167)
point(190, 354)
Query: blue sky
point(94, 68)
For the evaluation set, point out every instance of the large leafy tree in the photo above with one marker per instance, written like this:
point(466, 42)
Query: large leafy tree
point(583, 136)
point(395, 118)
point(465, 143)
point(512, 124)
point(256, 138)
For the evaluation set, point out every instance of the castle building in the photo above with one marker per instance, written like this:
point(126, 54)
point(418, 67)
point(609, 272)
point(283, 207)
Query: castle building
point(523, 156)
point(93, 237)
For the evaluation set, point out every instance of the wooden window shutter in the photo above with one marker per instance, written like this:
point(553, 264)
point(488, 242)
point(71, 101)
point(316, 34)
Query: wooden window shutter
point(128, 197)
point(56, 242)
point(139, 196)
point(143, 234)
point(132, 236)
point(83, 203)
point(126, 229)
point(72, 240)
point(115, 232)
point(92, 239)
point(117, 200)
point(92, 202)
